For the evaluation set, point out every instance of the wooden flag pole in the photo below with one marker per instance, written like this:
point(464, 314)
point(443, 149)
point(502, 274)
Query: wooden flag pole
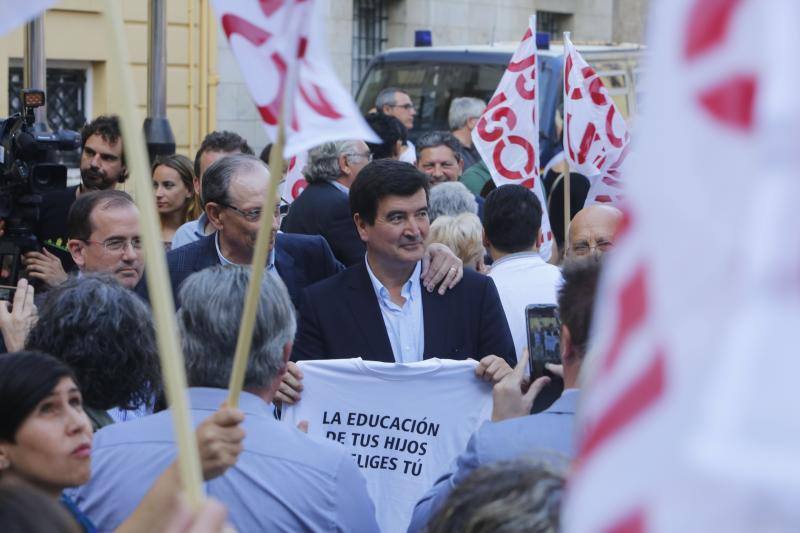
point(245, 339)
point(172, 365)
point(567, 202)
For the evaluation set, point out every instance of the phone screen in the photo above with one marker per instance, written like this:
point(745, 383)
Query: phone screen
point(544, 333)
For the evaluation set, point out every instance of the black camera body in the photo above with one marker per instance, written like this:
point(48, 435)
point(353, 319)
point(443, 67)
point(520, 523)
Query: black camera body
point(25, 176)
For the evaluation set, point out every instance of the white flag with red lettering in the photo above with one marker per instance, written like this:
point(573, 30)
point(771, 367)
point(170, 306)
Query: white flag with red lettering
point(507, 134)
point(295, 182)
point(17, 13)
point(688, 420)
point(280, 48)
point(595, 134)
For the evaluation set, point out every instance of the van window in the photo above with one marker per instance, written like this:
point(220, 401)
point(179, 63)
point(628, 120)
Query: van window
point(431, 87)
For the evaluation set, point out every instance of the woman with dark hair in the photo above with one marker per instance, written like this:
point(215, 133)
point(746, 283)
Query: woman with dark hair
point(173, 185)
point(46, 439)
point(105, 334)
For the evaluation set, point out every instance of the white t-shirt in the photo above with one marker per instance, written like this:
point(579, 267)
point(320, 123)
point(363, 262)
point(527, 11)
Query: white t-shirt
point(405, 423)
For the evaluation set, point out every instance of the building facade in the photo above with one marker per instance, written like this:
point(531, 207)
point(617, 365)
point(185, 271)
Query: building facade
point(205, 90)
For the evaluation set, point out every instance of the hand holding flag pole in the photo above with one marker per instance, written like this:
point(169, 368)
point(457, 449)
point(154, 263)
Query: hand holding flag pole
point(172, 365)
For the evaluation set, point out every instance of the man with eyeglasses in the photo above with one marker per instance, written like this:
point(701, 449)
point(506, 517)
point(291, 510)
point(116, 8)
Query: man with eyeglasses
point(592, 230)
point(396, 103)
point(323, 208)
point(103, 228)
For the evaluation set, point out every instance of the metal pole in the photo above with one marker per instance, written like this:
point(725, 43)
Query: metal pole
point(34, 73)
point(157, 130)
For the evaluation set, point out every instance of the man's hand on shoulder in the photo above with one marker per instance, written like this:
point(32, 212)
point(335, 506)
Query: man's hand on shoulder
point(440, 264)
point(512, 397)
point(291, 385)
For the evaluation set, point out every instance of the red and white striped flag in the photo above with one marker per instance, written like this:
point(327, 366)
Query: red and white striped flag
point(595, 135)
point(688, 420)
point(507, 134)
point(16, 13)
point(280, 48)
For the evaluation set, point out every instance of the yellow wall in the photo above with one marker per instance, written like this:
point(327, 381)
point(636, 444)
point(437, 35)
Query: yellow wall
point(75, 30)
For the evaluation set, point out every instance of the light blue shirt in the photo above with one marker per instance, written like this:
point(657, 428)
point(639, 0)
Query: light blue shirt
point(404, 325)
point(341, 187)
point(225, 261)
point(549, 433)
point(191, 231)
point(284, 480)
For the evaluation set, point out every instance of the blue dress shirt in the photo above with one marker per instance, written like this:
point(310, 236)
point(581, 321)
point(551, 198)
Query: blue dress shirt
point(191, 231)
point(284, 480)
point(404, 325)
point(552, 430)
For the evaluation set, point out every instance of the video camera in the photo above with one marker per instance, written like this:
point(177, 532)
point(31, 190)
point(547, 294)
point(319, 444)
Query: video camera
point(25, 175)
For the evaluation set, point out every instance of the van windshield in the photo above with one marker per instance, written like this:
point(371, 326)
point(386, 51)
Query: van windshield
point(431, 86)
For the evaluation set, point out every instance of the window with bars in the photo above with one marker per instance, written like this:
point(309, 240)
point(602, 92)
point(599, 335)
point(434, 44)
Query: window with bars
point(65, 98)
point(369, 35)
point(553, 23)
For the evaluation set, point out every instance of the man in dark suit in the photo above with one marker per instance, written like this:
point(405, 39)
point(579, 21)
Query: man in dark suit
point(377, 310)
point(323, 207)
point(233, 192)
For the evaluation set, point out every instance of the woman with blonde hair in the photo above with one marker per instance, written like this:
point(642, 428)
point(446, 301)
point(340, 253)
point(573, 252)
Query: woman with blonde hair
point(463, 234)
point(175, 199)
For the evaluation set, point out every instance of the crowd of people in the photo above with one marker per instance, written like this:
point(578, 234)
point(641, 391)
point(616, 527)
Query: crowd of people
point(395, 252)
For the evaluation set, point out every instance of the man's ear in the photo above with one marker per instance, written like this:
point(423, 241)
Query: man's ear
point(486, 243)
point(344, 168)
point(461, 167)
point(361, 226)
point(123, 175)
point(566, 345)
point(214, 213)
point(472, 122)
point(76, 248)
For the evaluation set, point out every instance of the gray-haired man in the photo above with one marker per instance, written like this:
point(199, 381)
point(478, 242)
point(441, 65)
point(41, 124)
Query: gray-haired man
point(323, 207)
point(283, 481)
point(462, 118)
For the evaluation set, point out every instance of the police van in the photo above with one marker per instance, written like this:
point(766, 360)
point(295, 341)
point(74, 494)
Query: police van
point(434, 76)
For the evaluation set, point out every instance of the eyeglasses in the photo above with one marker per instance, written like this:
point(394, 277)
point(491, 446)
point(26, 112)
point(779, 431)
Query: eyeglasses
point(365, 155)
point(117, 245)
point(583, 248)
point(407, 106)
point(254, 215)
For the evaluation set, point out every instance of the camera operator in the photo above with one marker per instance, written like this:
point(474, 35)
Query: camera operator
point(102, 167)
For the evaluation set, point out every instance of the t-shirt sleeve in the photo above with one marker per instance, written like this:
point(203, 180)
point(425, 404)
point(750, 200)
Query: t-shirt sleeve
point(354, 508)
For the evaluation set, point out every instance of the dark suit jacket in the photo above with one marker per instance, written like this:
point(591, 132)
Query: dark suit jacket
point(322, 209)
point(340, 317)
point(299, 259)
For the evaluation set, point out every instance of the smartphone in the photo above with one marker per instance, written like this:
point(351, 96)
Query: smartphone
point(544, 333)
point(544, 346)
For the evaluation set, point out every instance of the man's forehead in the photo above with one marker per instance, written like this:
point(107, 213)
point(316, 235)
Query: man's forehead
point(110, 218)
point(401, 97)
point(416, 201)
point(438, 152)
point(100, 144)
point(249, 184)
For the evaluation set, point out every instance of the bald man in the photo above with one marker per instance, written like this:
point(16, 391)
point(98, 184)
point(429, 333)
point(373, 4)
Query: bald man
point(592, 230)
